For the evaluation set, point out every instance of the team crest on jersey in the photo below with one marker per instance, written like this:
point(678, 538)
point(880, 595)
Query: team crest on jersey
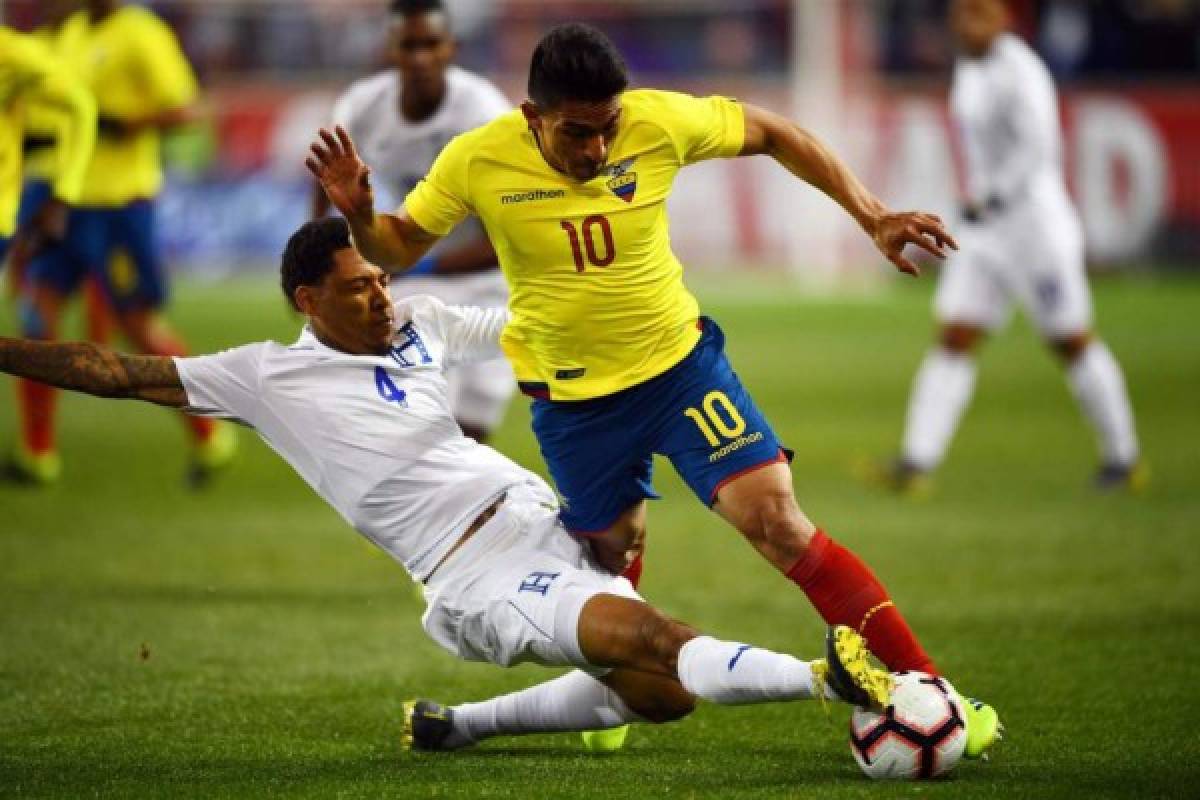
point(622, 182)
point(408, 348)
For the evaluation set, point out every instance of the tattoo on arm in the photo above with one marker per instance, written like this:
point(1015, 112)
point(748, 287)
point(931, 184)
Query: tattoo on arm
point(86, 367)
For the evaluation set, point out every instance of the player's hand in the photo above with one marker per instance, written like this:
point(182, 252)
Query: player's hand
point(46, 227)
point(343, 175)
point(895, 230)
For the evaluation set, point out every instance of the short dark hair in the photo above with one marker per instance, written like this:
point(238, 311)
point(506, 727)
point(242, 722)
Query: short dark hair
point(308, 256)
point(417, 6)
point(575, 62)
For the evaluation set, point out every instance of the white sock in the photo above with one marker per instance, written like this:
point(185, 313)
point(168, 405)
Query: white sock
point(730, 673)
point(940, 393)
point(1096, 379)
point(573, 702)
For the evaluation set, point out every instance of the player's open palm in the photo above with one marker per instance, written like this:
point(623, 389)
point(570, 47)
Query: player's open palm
point(895, 230)
point(343, 175)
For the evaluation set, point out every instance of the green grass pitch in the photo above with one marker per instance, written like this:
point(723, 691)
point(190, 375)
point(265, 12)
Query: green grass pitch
point(243, 642)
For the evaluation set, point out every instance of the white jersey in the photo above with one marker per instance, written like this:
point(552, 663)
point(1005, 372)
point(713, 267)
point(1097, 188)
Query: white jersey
point(372, 435)
point(1006, 110)
point(401, 152)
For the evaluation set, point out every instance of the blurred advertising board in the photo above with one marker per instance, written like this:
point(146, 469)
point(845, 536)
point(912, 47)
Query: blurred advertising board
point(1132, 156)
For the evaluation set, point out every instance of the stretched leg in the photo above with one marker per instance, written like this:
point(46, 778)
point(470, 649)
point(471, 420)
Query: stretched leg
point(762, 506)
point(940, 394)
point(619, 548)
point(573, 702)
point(659, 667)
point(1099, 386)
point(97, 313)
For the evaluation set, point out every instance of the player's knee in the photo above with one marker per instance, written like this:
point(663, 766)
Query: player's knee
point(669, 703)
point(1070, 347)
point(778, 528)
point(961, 339)
point(662, 638)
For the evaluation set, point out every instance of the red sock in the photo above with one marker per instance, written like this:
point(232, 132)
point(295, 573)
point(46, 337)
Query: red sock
point(99, 321)
point(845, 592)
point(200, 427)
point(633, 573)
point(37, 415)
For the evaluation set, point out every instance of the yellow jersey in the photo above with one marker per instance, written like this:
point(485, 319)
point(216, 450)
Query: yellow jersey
point(135, 68)
point(41, 160)
point(30, 76)
point(597, 297)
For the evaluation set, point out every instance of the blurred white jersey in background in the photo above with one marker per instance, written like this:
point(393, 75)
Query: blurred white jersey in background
point(1027, 244)
point(399, 153)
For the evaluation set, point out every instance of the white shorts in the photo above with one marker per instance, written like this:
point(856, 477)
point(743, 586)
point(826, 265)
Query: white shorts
point(479, 392)
point(1032, 255)
point(514, 591)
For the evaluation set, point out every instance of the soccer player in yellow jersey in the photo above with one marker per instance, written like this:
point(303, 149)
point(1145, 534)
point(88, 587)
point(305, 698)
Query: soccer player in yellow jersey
point(31, 80)
point(41, 159)
point(143, 85)
point(572, 189)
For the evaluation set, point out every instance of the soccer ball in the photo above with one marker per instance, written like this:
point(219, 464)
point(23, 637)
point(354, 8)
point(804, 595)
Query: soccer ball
point(922, 734)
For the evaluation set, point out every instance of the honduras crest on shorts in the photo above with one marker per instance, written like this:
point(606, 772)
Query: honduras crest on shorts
point(622, 182)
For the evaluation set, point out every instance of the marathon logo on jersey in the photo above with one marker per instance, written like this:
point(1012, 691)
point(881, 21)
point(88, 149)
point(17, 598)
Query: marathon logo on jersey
point(623, 183)
point(408, 349)
point(532, 195)
point(735, 445)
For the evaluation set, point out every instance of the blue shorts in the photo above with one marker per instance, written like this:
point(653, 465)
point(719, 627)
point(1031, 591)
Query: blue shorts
point(35, 192)
point(697, 414)
point(116, 246)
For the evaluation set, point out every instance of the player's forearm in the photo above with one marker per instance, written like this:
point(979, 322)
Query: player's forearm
point(475, 256)
point(320, 202)
point(387, 240)
point(809, 159)
point(806, 157)
point(87, 367)
point(75, 132)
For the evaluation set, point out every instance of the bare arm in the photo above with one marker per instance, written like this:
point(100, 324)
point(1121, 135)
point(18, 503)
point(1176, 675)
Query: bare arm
point(89, 368)
point(477, 255)
point(392, 241)
point(320, 202)
point(806, 157)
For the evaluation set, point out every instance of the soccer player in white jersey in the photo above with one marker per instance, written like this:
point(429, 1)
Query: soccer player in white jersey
point(1021, 242)
point(401, 119)
point(359, 407)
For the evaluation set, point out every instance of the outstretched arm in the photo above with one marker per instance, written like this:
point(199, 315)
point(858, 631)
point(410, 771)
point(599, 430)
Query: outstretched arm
point(806, 157)
point(89, 368)
point(392, 241)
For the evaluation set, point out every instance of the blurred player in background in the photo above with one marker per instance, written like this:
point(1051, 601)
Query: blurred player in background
point(143, 86)
point(402, 118)
point(605, 336)
point(32, 81)
point(1021, 243)
point(41, 158)
point(506, 584)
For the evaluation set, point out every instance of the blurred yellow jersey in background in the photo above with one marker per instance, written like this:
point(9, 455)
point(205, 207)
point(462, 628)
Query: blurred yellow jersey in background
point(134, 66)
point(597, 296)
point(30, 77)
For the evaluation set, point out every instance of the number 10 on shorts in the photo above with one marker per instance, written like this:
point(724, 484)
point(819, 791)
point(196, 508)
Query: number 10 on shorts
point(717, 415)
